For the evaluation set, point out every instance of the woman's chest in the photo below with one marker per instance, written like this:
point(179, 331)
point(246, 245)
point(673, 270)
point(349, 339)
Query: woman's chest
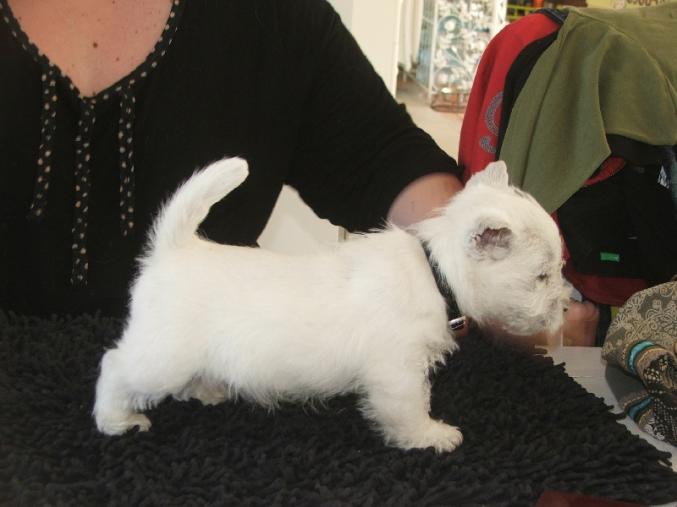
point(94, 42)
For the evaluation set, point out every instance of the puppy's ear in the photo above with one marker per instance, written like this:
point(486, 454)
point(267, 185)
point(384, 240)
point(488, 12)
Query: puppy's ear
point(490, 240)
point(495, 174)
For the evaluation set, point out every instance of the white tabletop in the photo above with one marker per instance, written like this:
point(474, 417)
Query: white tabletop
point(586, 366)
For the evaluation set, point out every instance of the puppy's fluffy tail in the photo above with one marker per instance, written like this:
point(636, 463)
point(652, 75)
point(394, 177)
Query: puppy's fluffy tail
point(180, 217)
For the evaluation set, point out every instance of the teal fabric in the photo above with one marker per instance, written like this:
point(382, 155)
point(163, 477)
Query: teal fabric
point(634, 351)
point(608, 72)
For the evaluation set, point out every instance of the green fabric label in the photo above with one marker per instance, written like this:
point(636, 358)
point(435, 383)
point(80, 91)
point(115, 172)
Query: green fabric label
point(609, 257)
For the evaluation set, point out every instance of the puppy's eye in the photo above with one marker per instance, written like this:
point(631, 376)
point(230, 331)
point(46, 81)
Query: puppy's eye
point(542, 278)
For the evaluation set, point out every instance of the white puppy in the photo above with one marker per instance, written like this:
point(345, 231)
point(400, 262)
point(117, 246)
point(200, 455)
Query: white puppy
point(213, 321)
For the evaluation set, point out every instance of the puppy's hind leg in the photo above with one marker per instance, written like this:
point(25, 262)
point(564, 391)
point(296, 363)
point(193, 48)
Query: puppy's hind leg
point(128, 383)
point(114, 407)
point(399, 402)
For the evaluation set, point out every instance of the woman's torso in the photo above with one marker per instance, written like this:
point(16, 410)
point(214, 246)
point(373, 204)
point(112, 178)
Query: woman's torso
point(218, 90)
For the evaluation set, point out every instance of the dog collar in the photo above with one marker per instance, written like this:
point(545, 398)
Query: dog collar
point(454, 315)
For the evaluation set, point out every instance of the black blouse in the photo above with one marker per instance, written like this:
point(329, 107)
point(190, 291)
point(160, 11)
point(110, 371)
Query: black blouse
point(281, 83)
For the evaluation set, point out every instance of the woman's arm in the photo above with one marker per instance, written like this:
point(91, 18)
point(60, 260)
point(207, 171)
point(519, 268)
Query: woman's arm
point(423, 197)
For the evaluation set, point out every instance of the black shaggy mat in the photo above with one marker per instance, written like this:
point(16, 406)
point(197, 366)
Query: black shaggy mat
point(528, 428)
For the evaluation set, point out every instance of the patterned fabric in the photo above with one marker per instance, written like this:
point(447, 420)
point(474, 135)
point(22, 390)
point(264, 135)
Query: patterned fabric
point(642, 341)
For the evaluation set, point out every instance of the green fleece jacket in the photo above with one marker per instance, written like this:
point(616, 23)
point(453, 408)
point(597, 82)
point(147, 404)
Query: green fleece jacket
point(608, 72)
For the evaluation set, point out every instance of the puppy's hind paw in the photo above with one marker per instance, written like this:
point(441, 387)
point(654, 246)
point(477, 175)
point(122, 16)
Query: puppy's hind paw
point(117, 426)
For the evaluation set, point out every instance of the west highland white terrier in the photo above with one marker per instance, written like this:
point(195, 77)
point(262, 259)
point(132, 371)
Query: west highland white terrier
point(213, 321)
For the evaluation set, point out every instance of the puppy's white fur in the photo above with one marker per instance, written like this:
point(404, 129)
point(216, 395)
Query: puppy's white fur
point(211, 321)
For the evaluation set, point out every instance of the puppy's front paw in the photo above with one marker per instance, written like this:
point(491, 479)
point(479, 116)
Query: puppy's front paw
point(442, 437)
point(212, 394)
point(207, 393)
point(117, 426)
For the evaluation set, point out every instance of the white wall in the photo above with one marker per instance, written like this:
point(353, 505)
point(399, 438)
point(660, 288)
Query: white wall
point(293, 227)
point(375, 24)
